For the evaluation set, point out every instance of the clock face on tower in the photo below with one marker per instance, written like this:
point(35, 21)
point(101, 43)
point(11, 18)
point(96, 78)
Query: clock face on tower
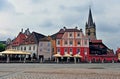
point(92, 30)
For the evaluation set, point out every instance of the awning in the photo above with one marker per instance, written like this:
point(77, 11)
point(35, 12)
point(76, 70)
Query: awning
point(67, 55)
point(0, 53)
point(57, 55)
point(77, 55)
point(12, 51)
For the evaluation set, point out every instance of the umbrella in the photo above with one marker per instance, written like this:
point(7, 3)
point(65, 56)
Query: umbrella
point(57, 55)
point(77, 55)
point(12, 51)
point(67, 55)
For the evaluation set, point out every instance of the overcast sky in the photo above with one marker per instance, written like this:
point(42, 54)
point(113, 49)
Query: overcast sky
point(48, 16)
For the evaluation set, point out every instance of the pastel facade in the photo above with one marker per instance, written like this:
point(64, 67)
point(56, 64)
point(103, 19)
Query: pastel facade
point(47, 47)
point(72, 41)
point(45, 50)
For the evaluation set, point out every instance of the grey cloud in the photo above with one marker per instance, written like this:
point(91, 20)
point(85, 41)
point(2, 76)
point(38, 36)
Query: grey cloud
point(107, 28)
point(46, 23)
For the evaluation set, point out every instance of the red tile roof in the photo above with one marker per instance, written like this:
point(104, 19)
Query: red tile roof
point(33, 38)
point(19, 39)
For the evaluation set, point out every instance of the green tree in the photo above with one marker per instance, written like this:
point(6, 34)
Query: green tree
point(2, 47)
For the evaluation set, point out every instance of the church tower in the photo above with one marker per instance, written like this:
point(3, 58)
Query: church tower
point(90, 27)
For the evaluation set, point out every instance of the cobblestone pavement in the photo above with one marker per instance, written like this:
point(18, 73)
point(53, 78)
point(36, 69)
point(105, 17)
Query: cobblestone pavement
point(60, 71)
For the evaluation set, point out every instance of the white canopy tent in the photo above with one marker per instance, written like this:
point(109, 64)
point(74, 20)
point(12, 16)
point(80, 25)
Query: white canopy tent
point(14, 52)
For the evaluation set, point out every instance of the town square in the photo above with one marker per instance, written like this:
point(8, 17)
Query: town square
point(59, 39)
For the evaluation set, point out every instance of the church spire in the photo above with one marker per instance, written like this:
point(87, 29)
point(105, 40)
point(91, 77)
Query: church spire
point(90, 27)
point(90, 19)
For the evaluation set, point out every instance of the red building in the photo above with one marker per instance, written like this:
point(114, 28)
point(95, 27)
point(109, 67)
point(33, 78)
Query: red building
point(118, 53)
point(99, 52)
point(72, 41)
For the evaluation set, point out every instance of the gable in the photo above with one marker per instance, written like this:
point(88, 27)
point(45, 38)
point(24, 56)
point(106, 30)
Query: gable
point(33, 38)
point(19, 39)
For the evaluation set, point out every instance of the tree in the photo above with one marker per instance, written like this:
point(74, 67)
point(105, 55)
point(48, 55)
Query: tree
point(2, 47)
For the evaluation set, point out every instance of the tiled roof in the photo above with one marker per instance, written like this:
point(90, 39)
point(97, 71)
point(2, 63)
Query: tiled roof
point(33, 38)
point(62, 31)
point(47, 38)
point(72, 30)
point(19, 39)
point(38, 36)
point(54, 36)
point(59, 36)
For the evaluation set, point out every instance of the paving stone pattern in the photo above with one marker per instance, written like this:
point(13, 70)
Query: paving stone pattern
point(59, 71)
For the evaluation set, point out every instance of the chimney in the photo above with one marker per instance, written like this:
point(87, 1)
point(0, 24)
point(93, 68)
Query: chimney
point(76, 27)
point(81, 30)
point(64, 28)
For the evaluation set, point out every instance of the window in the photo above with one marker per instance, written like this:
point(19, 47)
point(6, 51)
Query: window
point(78, 50)
point(33, 47)
point(70, 50)
point(52, 49)
point(58, 50)
point(70, 34)
point(88, 32)
point(24, 48)
point(65, 42)
point(71, 42)
point(48, 50)
point(78, 35)
point(48, 44)
point(78, 42)
point(30, 48)
point(40, 50)
point(65, 50)
point(58, 42)
point(21, 48)
point(41, 44)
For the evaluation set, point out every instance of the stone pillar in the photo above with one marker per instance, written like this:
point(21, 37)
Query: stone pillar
point(24, 58)
point(57, 60)
point(90, 61)
point(102, 61)
point(8, 58)
point(75, 60)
